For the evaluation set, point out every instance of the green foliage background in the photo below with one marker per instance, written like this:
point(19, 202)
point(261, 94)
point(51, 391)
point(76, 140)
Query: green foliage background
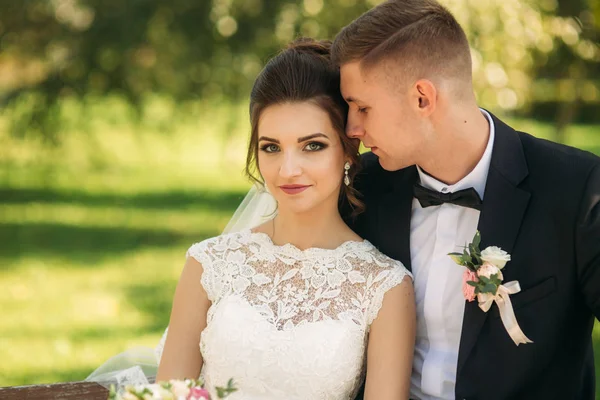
point(123, 128)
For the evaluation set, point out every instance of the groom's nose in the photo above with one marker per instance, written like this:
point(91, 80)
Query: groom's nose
point(354, 128)
point(355, 131)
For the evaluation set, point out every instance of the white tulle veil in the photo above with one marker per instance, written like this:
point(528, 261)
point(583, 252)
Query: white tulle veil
point(139, 365)
point(257, 207)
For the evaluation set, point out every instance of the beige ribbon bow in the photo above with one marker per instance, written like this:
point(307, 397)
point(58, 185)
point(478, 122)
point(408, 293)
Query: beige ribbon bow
point(507, 314)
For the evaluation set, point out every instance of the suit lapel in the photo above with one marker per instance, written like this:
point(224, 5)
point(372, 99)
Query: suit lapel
point(504, 206)
point(394, 216)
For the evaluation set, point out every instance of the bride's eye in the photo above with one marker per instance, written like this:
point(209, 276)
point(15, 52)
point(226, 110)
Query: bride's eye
point(270, 148)
point(314, 146)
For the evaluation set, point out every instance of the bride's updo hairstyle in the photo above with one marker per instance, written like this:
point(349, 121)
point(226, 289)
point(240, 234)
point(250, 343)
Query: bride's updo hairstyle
point(303, 72)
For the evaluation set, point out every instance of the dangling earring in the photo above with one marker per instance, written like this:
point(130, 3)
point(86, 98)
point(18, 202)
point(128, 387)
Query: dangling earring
point(346, 177)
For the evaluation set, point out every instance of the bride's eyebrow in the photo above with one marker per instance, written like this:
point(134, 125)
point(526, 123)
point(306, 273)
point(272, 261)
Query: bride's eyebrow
point(313, 136)
point(267, 139)
point(300, 140)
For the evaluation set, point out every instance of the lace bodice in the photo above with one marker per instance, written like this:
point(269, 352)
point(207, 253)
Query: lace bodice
point(290, 323)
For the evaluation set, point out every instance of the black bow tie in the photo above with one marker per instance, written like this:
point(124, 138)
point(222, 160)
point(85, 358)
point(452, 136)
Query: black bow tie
point(465, 198)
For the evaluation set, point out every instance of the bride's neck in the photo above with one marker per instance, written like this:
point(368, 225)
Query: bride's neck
point(318, 228)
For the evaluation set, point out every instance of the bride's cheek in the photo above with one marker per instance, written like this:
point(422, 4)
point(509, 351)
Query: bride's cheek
point(265, 168)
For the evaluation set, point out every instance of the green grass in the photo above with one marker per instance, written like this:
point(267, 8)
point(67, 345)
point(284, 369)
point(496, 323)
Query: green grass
point(85, 276)
point(93, 236)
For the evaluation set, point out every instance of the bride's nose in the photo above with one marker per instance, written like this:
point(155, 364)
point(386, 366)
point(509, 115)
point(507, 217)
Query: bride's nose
point(290, 166)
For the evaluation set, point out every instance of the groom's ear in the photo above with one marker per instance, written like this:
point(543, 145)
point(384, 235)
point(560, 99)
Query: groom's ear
point(426, 96)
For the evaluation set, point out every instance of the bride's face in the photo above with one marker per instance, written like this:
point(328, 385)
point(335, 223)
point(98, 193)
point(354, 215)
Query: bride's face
point(300, 157)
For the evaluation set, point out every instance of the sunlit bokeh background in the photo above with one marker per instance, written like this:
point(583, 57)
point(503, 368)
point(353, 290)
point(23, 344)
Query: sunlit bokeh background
point(123, 129)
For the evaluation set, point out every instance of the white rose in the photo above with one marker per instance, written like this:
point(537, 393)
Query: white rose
point(496, 256)
point(179, 388)
point(488, 269)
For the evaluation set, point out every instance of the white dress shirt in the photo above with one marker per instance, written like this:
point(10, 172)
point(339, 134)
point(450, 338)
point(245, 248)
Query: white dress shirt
point(436, 231)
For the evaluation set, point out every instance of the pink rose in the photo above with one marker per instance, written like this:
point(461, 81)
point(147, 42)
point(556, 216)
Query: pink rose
point(199, 393)
point(489, 269)
point(468, 290)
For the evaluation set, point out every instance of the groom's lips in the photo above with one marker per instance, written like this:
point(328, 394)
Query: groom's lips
point(294, 189)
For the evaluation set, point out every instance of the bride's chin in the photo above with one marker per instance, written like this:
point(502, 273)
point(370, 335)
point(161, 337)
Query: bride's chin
point(292, 207)
point(295, 210)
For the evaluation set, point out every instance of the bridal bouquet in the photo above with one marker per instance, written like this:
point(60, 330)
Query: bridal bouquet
point(187, 389)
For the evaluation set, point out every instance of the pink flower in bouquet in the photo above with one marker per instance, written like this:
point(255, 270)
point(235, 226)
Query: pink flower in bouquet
point(199, 393)
point(489, 269)
point(468, 290)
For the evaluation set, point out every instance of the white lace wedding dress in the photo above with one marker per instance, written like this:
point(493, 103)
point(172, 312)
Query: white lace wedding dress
point(287, 323)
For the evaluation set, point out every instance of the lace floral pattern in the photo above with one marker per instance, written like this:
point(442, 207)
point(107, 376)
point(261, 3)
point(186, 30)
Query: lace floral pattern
point(289, 323)
point(289, 286)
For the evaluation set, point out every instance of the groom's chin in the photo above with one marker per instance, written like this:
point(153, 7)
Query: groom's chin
point(391, 165)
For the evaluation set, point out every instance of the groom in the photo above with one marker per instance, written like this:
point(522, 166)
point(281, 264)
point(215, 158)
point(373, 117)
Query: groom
point(441, 168)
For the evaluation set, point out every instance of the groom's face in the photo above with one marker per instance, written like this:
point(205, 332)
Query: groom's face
point(381, 116)
point(301, 157)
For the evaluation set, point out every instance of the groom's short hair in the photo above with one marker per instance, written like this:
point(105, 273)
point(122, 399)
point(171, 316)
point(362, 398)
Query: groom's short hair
point(418, 38)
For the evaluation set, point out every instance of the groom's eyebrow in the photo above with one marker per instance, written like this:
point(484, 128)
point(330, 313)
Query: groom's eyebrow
point(351, 99)
point(313, 136)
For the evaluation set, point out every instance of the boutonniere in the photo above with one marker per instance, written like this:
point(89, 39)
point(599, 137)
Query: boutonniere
point(483, 278)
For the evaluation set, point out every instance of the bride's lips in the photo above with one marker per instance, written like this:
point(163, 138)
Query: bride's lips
point(294, 189)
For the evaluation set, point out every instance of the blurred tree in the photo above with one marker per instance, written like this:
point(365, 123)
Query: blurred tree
point(212, 49)
point(573, 64)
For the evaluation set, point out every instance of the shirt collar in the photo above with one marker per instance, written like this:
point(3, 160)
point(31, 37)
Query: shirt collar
point(476, 178)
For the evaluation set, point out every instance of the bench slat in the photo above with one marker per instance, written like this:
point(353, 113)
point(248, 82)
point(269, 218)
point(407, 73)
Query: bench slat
point(56, 391)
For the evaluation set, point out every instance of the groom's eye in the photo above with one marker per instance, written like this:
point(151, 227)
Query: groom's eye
point(362, 110)
point(270, 148)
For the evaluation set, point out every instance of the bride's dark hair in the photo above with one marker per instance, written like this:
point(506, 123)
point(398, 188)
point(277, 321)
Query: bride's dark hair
point(303, 72)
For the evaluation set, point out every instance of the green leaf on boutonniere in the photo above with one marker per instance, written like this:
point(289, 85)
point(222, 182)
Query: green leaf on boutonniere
point(477, 239)
point(456, 257)
point(495, 280)
point(489, 288)
point(485, 279)
point(467, 256)
point(477, 258)
point(472, 283)
point(472, 249)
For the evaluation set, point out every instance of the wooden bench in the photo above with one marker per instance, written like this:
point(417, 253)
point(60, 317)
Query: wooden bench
point(56, 391)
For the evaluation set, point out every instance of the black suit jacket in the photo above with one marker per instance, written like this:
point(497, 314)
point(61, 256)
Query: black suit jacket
point(542, 205)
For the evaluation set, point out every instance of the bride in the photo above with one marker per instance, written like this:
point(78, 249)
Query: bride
point(298, 307)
